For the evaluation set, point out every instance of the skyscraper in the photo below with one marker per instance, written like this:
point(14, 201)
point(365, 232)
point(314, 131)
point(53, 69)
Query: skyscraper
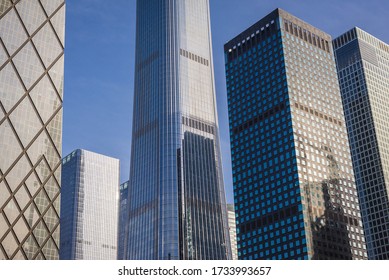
point(294, 189)
point(176, 197)
point(31, 84)
point(363, 69)
point(123, 218)
point(89, 206)
point(232, 228)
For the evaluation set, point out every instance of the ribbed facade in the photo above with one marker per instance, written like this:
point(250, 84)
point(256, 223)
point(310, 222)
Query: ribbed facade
point(363, 70)
point(89, 206)
point(176, 197)
point(294, 189)
point(31, 87)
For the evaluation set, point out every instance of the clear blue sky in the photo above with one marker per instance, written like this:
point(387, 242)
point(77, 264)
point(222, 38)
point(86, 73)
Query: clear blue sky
point(99, 63)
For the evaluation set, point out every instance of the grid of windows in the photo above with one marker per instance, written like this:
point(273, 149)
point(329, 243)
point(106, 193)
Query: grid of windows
point(267, 203)
point(363, 71)
point(31, 78)
point(89, 207)
point(294, 190)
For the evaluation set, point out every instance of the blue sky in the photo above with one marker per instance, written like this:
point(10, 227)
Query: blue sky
point(100, 53)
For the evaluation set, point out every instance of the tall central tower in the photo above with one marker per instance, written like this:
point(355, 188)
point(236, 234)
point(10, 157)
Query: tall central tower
point(176, 197)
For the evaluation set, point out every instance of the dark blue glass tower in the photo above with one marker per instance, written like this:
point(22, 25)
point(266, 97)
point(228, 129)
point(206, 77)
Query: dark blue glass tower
point(294, 190)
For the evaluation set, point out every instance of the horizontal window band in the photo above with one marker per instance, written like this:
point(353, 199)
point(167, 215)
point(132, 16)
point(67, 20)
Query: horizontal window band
point(197, 124)
point(194, 57)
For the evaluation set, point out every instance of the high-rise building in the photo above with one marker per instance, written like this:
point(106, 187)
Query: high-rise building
point(123, 218)
point(294, 189)
point(176, 198)
point(31, 85)
point(232, 228)
point(363, 70)
point(89, 206)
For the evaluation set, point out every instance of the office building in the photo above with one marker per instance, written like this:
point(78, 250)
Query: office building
point(89, 206)
point(176, 198)
point(363, 70)
point(232, 228)
point(31, 88)
point(294, 189)
point(123, 215)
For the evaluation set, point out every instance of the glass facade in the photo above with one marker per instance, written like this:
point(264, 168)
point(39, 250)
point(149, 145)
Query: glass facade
point(89, 206)
point(232, 228)
point(31, 88)
point(294, 190)
point(363, 70)
point(123, 214)
point(176, 197)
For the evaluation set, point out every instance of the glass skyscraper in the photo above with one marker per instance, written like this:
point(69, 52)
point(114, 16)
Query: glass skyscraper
point(176, 197)
point(31, 87)
point(294, 189)
point(123, 218)
point(89, 206)
point(363, 69)
point(232, 228)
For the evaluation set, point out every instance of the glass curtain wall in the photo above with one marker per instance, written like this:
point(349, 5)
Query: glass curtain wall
point(176, 197)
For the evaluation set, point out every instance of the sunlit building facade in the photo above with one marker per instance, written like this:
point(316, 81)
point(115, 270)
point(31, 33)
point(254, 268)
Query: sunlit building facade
point(232, 228)
point(363, 69)
point(294, 189)
point(89, 206)
point(176, 197)
point(31, 88)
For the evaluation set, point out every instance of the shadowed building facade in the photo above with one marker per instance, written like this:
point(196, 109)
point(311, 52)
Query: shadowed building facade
point(31, 87)
point(123, 218)
point(294, 190)
point(176, 196)
point(363, 70)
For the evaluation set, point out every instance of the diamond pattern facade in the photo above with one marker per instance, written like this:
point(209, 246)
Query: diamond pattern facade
point(31, 87)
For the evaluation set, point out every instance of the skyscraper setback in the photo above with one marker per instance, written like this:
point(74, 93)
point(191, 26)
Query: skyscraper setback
point(295, 195)
point(31, 84)
point(363, 69)
point(176, 195)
